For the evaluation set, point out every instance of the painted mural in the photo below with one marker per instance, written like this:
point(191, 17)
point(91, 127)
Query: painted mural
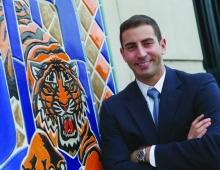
point(48, 109)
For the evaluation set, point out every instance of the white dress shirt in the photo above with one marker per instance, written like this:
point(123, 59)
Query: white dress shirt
point(144, 88)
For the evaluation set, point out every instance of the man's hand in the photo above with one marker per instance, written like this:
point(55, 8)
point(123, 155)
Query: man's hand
point(133, 157)
point(198, 128)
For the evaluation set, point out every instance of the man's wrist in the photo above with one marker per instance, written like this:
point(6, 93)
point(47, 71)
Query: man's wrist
point(147, 156)
point(141, 154)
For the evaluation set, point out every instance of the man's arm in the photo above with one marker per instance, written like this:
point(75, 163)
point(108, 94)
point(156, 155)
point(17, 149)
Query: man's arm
point(202, 153)
point(115, 152)
point(197, 130)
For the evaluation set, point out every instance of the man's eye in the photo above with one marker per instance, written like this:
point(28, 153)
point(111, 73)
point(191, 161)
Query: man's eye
point(148, 43)
point(131, 47)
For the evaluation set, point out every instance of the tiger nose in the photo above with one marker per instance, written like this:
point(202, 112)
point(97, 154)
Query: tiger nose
point(64, 106)
point(62, 94)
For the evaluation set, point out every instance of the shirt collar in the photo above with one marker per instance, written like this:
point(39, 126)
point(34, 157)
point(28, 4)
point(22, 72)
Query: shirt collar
point(159, 85)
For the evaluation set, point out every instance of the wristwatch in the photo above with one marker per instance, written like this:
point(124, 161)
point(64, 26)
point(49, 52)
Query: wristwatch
point(141, 153)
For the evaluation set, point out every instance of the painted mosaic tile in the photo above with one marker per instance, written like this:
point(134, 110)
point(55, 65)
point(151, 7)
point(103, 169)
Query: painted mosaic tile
point(91, 5)
point(107, 93)
point(52, 83)
point(85, 17)
point(98, 19)
point(96, 45)
point(98, 85)
point(102, 67)
point(104, 52)
point(96, 34)
point(91, 51)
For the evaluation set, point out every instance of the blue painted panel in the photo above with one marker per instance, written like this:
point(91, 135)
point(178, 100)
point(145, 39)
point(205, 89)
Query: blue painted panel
point(52, 1)
point(7, 127)
point(104, 51)
point(71, 163)
point(25, 99)
point(34, 8)
point(98, 19)
point(70, 30)
point(111, 83)
point(12, 27)
point(15, 162)
point(91, 114)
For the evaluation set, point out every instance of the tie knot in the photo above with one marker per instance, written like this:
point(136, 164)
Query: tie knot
point(153, 93)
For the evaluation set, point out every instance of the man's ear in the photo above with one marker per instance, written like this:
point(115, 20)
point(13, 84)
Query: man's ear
point(163, 45)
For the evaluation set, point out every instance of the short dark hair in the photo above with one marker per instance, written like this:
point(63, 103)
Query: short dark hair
point(137, 20)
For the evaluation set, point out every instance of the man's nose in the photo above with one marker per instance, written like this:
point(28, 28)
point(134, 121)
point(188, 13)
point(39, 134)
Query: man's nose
point(141, 52)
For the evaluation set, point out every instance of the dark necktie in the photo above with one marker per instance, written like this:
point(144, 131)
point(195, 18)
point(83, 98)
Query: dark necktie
point(154, 94)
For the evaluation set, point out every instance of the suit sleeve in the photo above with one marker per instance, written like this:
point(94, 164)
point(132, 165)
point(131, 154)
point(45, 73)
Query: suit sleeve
point(114, 150)
point(203, 153)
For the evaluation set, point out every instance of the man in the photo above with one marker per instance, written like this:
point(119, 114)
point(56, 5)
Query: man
point(132, 138)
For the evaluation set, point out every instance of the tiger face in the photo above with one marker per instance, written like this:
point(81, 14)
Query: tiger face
point(59, 102)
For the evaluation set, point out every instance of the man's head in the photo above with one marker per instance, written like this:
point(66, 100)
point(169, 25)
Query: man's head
point(142, 48)
point(138, 20)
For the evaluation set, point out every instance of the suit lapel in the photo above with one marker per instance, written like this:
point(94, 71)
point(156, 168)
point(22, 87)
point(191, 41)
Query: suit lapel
point(168, 102)
point(138, 109)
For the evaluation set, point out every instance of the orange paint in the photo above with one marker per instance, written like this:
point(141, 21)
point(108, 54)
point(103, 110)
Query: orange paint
point(49, 104)
point(91, 5)
point(96, 34)
point(24, 21)
point(4, 41)
point(22, 13)
point(102, 67)
point(10, 71)
point(37, 149)
point(62, 94)
point(107, 94)
point(17, 6)
point(49, 98)
point(93, 162)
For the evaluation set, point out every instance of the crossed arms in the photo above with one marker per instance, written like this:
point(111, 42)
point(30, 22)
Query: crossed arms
point(197, 130)
point(200, 149)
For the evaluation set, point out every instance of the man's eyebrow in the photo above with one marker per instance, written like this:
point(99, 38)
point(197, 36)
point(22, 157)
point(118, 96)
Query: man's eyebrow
point(147, 39)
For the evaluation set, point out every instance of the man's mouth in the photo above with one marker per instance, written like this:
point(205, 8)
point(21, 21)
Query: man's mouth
point(145, 63)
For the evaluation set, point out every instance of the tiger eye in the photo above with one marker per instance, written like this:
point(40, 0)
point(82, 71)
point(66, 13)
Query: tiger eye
point(53, 85)
point(67, 84)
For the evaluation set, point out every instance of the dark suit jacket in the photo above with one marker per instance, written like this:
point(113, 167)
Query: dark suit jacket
point(126, 124)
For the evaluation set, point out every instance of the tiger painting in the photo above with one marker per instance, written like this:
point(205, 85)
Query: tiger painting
point(59, 103)
point(58, 100)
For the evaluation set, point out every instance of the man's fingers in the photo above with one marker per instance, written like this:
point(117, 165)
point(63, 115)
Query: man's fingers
point(202, 133)
point(197, 119)
point(203, 128)
point(202, 123)
point(199, 127)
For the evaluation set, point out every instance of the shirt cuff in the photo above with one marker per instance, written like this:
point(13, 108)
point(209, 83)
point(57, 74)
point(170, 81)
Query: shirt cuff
point(152, 156)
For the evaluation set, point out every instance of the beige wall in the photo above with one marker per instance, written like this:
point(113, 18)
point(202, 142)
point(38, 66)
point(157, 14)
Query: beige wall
point(177, 21)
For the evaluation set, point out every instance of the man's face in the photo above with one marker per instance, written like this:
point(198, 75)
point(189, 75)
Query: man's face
point(143, 53)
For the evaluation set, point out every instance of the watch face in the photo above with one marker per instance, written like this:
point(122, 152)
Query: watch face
point(140, 155)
